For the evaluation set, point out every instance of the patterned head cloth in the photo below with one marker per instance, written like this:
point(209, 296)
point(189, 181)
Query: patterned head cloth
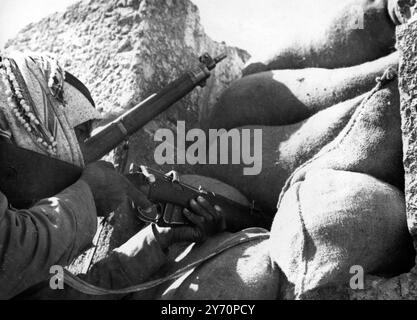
point(80, 106)
point(39, 108)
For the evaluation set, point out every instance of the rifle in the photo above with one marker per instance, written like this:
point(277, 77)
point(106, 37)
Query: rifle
point(170, 196)
point(24, 186)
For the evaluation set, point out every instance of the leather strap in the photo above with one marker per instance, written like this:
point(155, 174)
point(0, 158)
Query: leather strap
point(253, 234)
point(77, 84)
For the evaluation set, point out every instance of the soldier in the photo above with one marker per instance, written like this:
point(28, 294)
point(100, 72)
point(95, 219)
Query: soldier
point(43, 110)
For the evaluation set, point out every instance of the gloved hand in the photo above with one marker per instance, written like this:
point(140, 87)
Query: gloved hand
point(205, 220)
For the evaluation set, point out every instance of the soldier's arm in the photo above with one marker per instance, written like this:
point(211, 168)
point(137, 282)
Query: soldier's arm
point(143, 255)
point(53, 232)
point(131, 264)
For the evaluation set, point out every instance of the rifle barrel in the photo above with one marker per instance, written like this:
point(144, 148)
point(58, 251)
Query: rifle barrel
point(131, 121)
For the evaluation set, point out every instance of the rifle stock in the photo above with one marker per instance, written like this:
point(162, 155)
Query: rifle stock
point(172, 195)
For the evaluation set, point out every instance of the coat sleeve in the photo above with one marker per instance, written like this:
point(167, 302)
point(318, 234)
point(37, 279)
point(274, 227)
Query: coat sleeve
point(133, 263)
point(53, 232)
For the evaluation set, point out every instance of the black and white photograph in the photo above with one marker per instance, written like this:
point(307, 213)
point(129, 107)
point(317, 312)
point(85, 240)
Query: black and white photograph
point(209, 155)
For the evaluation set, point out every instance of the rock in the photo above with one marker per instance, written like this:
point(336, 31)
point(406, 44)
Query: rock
point(125, 46)
point(408, 89)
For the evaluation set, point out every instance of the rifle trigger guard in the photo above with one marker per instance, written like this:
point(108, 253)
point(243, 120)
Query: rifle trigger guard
point(147, 218)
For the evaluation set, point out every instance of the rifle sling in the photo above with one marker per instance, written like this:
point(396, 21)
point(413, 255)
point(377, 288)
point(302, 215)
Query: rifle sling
point(252, 234)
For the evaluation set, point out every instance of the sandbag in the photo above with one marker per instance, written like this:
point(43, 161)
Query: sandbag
point(370, 143)
point(245, 272)
point(357, 31)
point(284, 97)
point(353, 136)
point(333, 220)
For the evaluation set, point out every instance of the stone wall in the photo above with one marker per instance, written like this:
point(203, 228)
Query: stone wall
point(407, 40)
